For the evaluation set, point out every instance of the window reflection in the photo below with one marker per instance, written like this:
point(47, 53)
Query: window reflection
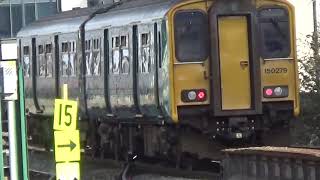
point(30, 14)
point(44, 8)
point(145, 59)
point(68, 51)
point(26, 61)
point(42, 61)
point(120, 55)
point(5, 24)
point(16, 11)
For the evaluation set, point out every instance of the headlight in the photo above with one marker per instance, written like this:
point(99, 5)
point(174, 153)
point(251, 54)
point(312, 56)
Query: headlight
point(192, 95)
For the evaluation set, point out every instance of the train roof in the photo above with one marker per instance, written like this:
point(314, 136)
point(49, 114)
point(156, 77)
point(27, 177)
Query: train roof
point(143, 11)
point(134, 11)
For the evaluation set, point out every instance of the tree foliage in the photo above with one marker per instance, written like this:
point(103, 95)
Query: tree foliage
point(308, 132)
point(309, 65)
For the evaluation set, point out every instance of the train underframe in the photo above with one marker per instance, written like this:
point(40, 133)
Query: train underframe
point(197, 136)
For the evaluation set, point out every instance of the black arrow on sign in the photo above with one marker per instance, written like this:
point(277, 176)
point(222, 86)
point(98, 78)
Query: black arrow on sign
point(72, 145)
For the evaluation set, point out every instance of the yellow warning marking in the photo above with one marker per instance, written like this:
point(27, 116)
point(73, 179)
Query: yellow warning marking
point(68, 171)
point(65, 115)
point(67, 145)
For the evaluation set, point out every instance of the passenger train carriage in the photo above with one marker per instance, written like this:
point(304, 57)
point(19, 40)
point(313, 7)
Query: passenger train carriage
point(166, 76)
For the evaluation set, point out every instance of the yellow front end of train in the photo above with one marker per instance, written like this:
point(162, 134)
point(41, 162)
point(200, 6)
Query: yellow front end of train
point(233, 62)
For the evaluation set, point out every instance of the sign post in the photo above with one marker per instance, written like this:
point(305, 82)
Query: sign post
point(66, 138)
point(1, 145)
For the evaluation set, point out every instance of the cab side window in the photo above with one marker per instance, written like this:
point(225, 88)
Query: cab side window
point(191, 36)
point(275, 33)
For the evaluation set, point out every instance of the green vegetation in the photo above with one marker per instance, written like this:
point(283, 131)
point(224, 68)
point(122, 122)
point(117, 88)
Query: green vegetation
point(307, 129)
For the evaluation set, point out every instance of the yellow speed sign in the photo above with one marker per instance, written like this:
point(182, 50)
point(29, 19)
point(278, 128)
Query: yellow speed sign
point(65, 115)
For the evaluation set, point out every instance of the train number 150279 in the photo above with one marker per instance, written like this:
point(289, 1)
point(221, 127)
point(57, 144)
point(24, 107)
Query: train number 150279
point(275, 70)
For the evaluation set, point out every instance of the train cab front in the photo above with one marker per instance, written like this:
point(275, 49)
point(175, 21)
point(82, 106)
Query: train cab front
point(234, 66)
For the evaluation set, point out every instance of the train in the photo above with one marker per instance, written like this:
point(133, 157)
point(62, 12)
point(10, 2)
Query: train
point(165, 78)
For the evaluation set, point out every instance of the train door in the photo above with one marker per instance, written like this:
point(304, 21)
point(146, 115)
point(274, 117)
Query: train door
point(147, 70)
point(25, 48)
point(235, 64)
point(69, 71)
point(45, 81)
point(234, 57)
point(122, 71)
point(95, 91)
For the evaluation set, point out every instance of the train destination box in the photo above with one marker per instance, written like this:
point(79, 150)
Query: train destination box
point(9, 78)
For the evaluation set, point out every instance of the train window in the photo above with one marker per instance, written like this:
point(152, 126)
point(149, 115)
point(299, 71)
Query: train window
point(40, 49)
point(125, 61)
point(72, 59)
point(88, 56)
point(96, 59)
point(5, 23)
point(191, 36)
point(159, 50)
point(49, 48)
point(73, 47)
point(65, 47)
point(29, 14)
point(26, 61)
point(120, 55)
point(65, 59)
point(275, 33)
point(162, 36)
point(16, 15)
point(116, 42)
point(42, 61)
point(96, 44)
point(124, 41)
point(49, 59)
point(87, 44)
point(26, 50)
point(144, 39)
point(145, 59)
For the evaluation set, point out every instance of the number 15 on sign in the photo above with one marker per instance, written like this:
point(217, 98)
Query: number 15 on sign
point(65, 115)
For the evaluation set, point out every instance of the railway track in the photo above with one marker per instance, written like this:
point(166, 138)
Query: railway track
point(263, 163)
point(42, 167)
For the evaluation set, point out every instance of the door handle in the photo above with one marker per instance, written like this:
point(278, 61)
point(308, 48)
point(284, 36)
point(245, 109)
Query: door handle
point(244, 64)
